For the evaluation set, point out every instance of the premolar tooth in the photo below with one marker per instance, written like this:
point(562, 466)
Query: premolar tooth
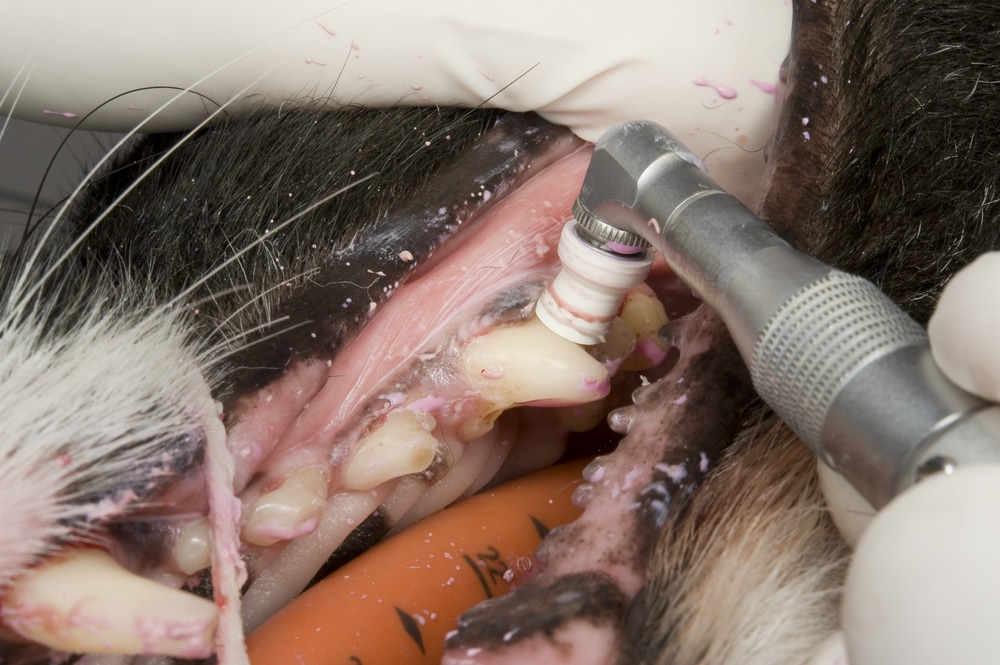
point(530, 364)
point(83, 601)
point(290, 510)
point(645, 315)
point(193, 549)
point(403, 444)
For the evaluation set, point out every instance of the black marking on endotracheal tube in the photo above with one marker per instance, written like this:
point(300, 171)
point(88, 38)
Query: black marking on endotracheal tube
point(540, 528)
point(482, 579)
point(411, 627)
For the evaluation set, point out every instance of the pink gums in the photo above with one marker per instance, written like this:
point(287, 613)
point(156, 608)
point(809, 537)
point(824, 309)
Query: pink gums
point(495, 255)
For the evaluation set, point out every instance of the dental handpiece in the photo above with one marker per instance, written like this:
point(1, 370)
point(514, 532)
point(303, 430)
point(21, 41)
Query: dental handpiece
point(846, 369)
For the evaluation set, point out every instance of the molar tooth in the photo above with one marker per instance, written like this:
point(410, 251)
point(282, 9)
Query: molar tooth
point(531, 364)
point(290, 510)
point(193, 548)
point(403, 444)
point(83, 601)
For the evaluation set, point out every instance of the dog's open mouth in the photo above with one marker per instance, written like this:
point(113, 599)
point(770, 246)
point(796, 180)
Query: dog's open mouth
point(405, 371)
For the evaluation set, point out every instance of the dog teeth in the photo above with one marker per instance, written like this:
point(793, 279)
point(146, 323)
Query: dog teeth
point(402, 445)
point(193, 549)
point(644, 315)
point(290, 510)
point(83, 601)
point(530, 364)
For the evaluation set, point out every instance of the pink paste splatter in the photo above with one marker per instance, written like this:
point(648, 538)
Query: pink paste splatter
point(428, 404)
point(619, 248)
point(724, 90)
point(394, 398)
point(650, 349)
point(65, 114)
point(769, 88)
point(676, 472)
point(328, 30)
point(600, 388)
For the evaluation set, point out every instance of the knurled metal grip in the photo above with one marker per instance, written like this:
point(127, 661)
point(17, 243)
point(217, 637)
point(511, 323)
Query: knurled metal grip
point(818, 340)
point(608, 234)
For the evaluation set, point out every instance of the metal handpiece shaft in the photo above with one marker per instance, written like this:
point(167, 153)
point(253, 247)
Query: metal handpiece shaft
point(848, 370)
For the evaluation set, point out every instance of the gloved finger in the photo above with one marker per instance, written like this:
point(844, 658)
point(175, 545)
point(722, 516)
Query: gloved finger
point(965, 329)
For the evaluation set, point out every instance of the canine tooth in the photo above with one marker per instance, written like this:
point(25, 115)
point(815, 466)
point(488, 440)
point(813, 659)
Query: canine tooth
point(531, 364)
point(84, 601)
point(193, 549)
point(403, 444)
point(645, 315)
point(290, 510)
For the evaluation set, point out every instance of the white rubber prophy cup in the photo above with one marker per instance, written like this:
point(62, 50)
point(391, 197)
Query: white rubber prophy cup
point(584, 298)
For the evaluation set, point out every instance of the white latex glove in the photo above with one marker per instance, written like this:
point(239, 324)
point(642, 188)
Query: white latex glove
point(965, 328)
point(924, 587)
point(703, 68)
